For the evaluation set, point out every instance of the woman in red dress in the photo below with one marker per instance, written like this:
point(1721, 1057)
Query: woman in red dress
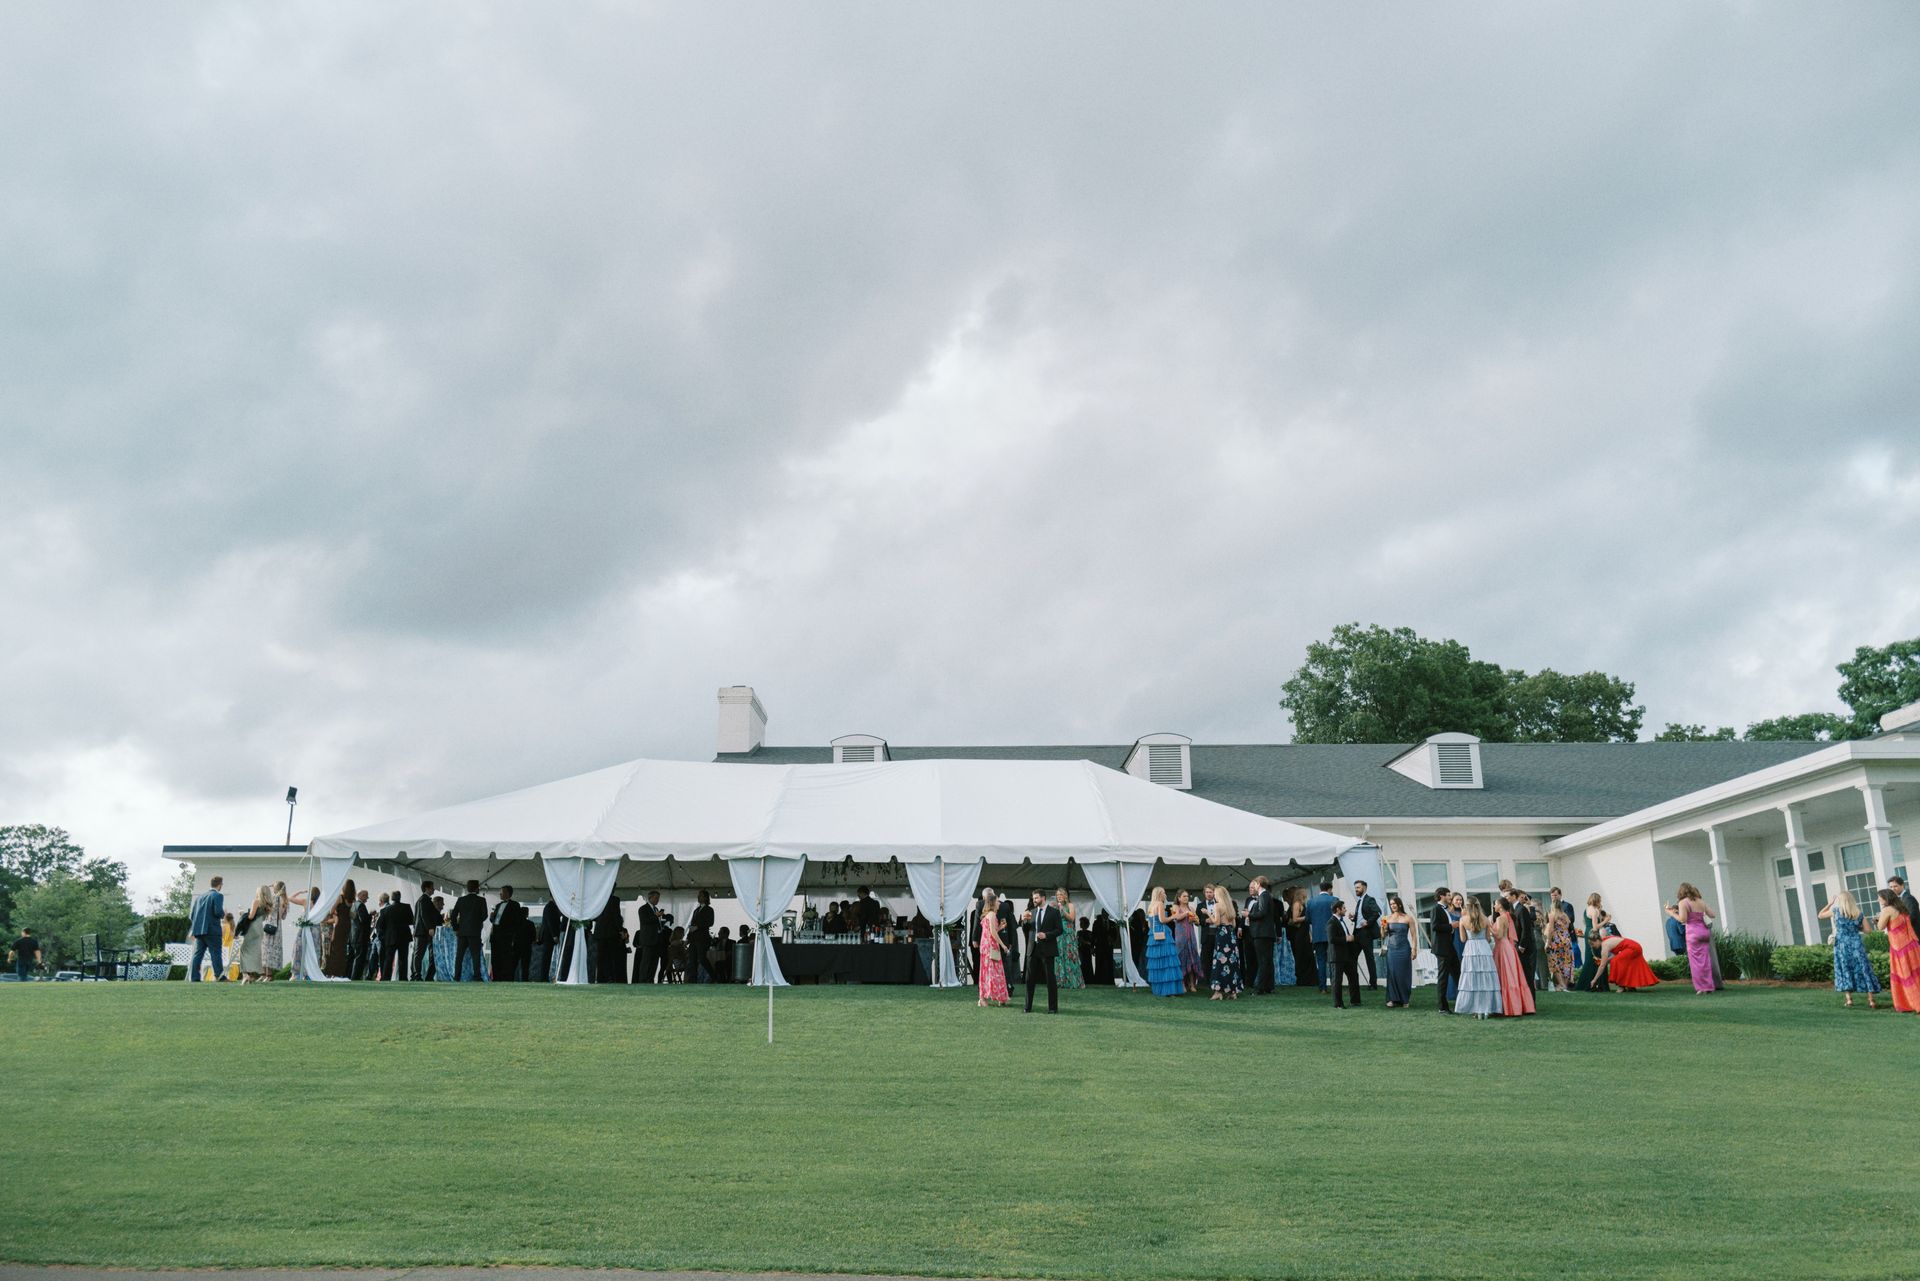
point(993, 970)
point(1903, 952)
point(1623, 963)
point(1516, 993)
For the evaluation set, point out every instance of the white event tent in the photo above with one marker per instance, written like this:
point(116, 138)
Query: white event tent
point(767, 831)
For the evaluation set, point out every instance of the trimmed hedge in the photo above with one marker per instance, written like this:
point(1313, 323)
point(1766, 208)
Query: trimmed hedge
point(158, 931)
point(1671, 968)
point(1814, 963)
point(1743, 956)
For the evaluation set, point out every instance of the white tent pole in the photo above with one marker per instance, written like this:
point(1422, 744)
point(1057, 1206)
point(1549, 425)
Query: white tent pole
point(760, 910)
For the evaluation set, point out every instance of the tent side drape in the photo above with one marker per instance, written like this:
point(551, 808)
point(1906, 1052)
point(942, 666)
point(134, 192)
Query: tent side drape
point(1119, 886)
point(333, 876)
point(765, 886)
point(581, 886)
point(943, 892)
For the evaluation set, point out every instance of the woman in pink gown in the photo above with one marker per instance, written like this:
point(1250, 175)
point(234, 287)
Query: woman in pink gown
point(1516, 994)
point(1694, 914)
point(993, 970)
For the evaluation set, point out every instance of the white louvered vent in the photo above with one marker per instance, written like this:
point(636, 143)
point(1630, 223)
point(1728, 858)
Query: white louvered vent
point(1164, 764)
point(1164, 759)
point(860, 749)
point(1454, 762)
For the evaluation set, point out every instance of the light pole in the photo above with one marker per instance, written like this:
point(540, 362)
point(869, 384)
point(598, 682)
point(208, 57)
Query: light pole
point(293, 796)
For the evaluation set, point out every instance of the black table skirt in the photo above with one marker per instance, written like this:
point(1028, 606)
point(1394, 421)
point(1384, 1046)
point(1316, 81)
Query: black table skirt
point(851, 962)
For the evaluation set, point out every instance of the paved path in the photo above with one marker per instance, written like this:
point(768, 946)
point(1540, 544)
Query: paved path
point(9, 1272)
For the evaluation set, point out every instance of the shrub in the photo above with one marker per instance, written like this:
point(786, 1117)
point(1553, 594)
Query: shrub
point(178, 973)
point(1671, 968)
point(284, 972)
point(1742, 955)
point(1810, 964)
point(158, 931)
point(1882, 969)
point(1877, 942)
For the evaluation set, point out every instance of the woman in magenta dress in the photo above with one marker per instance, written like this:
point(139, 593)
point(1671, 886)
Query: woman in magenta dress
point(1516, 994)
point(1696, 916)
point(993, 969)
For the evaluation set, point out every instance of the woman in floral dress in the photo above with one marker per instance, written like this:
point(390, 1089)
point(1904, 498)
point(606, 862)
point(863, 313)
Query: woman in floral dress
point(1559, 951)
point(1066, 966)
point(993, 969)
point(1227, 979)
point(1852, 972)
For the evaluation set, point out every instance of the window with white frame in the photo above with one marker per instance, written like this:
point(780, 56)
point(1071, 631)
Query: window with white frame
point(1536, 881)
point(1427, 880)
point(1856, 874)
point(1482, 882)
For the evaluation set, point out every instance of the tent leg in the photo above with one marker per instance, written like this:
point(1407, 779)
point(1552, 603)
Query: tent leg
point(769, 1014)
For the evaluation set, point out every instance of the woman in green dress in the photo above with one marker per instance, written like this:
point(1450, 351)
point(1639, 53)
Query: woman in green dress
point(1590, 919)
point(1066, 966)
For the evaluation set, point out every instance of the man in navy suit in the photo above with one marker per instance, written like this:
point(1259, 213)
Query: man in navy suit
point(203, 921)
point(1319, 912)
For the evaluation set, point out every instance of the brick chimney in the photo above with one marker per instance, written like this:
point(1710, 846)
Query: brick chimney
point(743, 722)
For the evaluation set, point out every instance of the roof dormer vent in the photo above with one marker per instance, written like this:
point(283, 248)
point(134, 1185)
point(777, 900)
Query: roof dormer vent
point(859, 749)
point(1444, 761)
point(1166, 759)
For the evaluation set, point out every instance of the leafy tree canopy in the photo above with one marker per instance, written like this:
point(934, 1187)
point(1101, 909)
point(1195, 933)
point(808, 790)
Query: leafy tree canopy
point(64, 907)
point(1875, 681)
point(1378, 685)
point(1678, 733)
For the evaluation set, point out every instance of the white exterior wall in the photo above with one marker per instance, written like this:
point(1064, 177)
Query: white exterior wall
point(1624, 873)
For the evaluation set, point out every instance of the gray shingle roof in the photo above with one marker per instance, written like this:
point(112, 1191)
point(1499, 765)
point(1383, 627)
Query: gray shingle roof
point(1334, 780)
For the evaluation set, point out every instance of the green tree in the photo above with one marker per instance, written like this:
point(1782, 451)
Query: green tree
point(1875, 681)
point(63, 907)
point(29, 853)
point(1552, 707)
point(177, 898)
point(1374, 685)
point(1821, 727)
point(1678, 733)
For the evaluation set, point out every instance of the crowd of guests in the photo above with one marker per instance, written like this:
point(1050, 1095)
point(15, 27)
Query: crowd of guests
point(387, 939)
point(1490, 957)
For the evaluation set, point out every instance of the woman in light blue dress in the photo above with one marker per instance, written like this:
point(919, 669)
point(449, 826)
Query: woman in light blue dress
point(1164, 972)
point(1852, 972)
point(1399, 926)
point(1479, 976)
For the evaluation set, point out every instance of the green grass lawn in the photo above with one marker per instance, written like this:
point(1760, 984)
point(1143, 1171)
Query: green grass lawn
point(904, 1130)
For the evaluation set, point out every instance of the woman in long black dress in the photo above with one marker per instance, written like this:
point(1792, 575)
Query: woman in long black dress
point(333, 961)
point(609, 948)
point(699, 939)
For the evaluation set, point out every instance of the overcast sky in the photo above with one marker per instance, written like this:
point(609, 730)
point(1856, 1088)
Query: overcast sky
point(413, 401)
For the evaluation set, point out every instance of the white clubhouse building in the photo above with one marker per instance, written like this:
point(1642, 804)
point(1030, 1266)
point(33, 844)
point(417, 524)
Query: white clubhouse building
point(1770, 832)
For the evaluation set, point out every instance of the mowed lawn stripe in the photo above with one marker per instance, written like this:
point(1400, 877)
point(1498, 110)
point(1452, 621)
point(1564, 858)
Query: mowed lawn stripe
point(902, 1130)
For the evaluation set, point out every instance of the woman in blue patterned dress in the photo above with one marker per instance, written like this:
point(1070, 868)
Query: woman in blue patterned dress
point(1186, 941)
point(1851, 970)
point(1164, 974)
point(1066, 966)
point(1228, 978)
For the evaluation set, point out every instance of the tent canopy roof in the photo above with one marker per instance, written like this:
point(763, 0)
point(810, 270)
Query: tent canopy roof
point(1006, 812)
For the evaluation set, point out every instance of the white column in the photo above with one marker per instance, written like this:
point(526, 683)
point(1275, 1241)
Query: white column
point(1797, 851)
point(1879, 831)
point(1717, 857)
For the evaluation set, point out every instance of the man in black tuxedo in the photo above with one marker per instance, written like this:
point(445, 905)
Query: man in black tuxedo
point(1366, 928)
point(360, 939)
point(1043, 924)
point(1264, 919)
point(393, 929)
point(468, 918)
point(1005, 913)
point(1343, 953)
point(868, 914)
point(699, 939)
point(1446, 948)
point(553, 928)
point(426, 919)
point(508, 916)
point(1898, 884)
point(649, 940)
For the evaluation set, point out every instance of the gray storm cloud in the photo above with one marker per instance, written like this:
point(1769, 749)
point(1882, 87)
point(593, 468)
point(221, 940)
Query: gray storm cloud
point(416, 401)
